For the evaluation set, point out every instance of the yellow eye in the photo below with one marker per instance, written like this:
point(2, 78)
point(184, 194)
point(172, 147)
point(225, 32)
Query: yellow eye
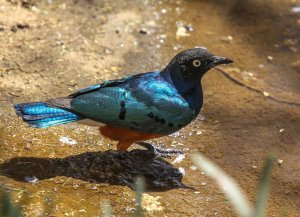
point(196, 63)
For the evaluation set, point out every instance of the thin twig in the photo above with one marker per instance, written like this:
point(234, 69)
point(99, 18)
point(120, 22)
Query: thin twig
point(234, 80)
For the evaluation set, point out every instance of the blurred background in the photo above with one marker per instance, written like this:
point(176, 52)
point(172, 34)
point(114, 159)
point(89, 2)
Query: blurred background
point(52, 48)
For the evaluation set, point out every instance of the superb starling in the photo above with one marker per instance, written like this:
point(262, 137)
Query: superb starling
point(135, 108)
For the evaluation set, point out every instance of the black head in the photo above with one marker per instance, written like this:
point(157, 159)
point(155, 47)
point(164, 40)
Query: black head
point(194, 63)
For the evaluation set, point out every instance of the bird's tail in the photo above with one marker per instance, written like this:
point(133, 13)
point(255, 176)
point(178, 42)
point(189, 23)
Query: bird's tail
point(40, 115)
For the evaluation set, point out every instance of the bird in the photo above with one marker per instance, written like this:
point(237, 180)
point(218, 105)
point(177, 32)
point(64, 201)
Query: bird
point(134, 108)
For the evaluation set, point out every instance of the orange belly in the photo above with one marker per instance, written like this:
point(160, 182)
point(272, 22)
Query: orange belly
point(126, 137)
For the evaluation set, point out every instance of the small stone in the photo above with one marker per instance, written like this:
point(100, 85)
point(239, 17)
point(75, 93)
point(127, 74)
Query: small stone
point(281, 130)
point(250, 74)
point(203, 183)
point(28, 147)
point(266, 94)
point(189, 27)
point(279, 162)
point(116, 68)
point(143, 31)
point(178, 159)
point(194, 168)
point(199, 132)
point(296, 9)
point(32, 179)
point(182, 32)
point(163, 11)
point(254, 167)
point(290, 42)
point(181, 170)
point(67, 140)
point(227, 39)
point(270, 58)
point(151, 203)
point(293, 49)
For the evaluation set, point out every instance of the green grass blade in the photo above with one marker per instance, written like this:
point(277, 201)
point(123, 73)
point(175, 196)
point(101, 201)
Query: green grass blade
point(106, 209)
point(263, 188)
point(7, 207)
point(140, 189)
point(226, 184)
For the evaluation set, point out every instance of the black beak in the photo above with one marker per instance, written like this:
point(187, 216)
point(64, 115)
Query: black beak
point(217, 60)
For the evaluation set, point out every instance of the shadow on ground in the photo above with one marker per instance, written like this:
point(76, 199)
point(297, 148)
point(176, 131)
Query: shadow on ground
point(115, 168)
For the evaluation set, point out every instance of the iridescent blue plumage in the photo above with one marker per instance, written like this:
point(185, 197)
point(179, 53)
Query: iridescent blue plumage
point(154, 102)
point(147, 103)
point(41, 116)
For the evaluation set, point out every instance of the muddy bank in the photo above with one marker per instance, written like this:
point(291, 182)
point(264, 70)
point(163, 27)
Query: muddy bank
point(50, 49)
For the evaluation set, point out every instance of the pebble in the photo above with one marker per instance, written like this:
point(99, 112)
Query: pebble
point(32, 179)
point(144, 31)
point(281, 130)
point(296, 9)
point(151, 203)
point(290, 42)
point(189, 27)
point(181, 170)
point(178, 159)
point(227, 39)
point(163, 11)
point(270, 58)
point(203, 183)
point(67, 140)
point(293, 49)
point(182, 32)
point(279, 162)
point(199, 132)
point(266, 94)
point(193, 167)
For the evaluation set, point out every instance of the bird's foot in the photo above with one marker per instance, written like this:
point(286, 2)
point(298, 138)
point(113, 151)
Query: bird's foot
point(157, 152)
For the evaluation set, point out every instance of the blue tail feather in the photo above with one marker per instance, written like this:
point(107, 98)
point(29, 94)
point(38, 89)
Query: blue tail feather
point(40, 115)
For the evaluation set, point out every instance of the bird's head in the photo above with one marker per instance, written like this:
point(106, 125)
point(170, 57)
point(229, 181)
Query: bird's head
point(193, 63)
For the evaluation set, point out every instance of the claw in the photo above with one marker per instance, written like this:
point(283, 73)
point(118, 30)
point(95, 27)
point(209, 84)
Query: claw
point(157, 152)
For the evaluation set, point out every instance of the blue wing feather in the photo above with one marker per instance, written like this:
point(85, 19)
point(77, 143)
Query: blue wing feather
point(144, 103)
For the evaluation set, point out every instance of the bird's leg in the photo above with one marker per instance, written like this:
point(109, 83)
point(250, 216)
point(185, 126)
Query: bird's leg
point(159, 152)
point(123, 145)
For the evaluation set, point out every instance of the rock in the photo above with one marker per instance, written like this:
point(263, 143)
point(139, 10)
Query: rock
point(182, 32)
point(290, 42)
point(144, 31)
point(151, 203)
point(296, 9)
point(270, 58)
point(266, 94)
point(227, 39)
point(32, 179)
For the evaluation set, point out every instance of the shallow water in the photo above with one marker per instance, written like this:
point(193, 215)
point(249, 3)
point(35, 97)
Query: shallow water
point(70, 45)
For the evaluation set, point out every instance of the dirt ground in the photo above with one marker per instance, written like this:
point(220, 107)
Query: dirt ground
point(52, 48)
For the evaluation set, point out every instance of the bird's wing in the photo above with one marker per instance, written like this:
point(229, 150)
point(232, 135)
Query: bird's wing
point(108, 83)
point(143, 104)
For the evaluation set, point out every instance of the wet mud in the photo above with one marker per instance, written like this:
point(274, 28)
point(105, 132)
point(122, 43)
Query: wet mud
point(52, 48)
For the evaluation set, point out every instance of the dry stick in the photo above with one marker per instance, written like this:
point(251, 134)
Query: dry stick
point(234, 80)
